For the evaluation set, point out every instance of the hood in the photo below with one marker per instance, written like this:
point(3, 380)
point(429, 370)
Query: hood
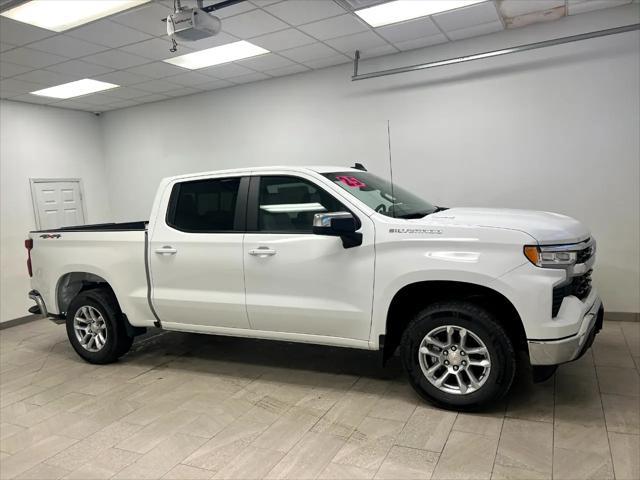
point(546, 227)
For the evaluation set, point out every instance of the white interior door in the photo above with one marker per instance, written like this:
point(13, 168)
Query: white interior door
point(57, 203)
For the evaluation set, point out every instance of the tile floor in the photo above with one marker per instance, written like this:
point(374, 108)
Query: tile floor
point(195, 407)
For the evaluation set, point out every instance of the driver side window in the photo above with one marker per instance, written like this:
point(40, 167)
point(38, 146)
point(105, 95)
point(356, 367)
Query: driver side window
point(288, 204)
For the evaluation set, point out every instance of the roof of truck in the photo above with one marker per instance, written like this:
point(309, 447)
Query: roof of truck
point(276, 168)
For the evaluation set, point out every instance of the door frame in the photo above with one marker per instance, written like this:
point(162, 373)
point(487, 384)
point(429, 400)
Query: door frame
point(34, 199)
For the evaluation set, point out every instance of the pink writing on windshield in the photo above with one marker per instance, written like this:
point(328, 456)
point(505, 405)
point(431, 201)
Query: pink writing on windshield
point(351, 181)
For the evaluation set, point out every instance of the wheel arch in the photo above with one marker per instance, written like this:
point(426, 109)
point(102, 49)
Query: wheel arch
point(70, 284)
point(417, 295)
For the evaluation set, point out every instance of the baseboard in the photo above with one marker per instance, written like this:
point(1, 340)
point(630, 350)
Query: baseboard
point(19, 321)
point(622, 316)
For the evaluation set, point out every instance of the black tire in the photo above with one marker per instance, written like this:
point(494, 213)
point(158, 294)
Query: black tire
point(117, 341)
point(474, 319)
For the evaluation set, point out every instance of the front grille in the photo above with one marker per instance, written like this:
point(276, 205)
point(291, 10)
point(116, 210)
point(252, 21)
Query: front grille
point(579, 287)
point(585, 254)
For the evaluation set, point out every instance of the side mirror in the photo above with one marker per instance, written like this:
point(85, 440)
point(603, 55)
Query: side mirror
point(338, 224)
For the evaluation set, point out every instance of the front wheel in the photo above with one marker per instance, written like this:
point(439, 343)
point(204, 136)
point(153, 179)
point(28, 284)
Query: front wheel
point(95, 328)
point(458, 356)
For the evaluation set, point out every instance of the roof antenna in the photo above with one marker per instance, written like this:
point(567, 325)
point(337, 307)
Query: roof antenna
point(393, 197)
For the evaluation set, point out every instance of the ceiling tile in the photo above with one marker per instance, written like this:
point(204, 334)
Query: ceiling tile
point(125, 93)
point(146, 18)
point(155, 97)
point(18, 87)
point(290, 70)
point(67, 46)
point(46, 78)
point(233, 10)
point(189, 79)
point(283, 40)
point(252, 24)
point(116, 59)
point(309, 52)
point(111, 34)
point(122, 77)
point(215, 85)
point(220, 39)
point(228, 70)
point(155, 49)
point(97, 99)
point(80, 68)
point(400, 32)
point(11, 69)
point(575, 7)
point(514, 8)
point(250, 77)
point(17, 33)
point(180, 92)
point(297, 12)
point(157, 70)
point(266, 62)
point(157, 86)
point(359, 41)
point(378, 51)
point(475, 31)
point(421, 42)
point(264, 3)
point(74, 105)
point(335, 27)
point(31, 58)
point(467, 17)
point(6, 46)
point(328, 62)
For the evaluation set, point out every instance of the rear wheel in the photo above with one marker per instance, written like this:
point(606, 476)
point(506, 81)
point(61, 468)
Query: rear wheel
point(458, 356)
point(95, 328)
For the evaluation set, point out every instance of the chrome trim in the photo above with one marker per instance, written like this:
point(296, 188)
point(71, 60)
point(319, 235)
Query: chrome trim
point(555, 352)
point(324, 219)
point(36, 297)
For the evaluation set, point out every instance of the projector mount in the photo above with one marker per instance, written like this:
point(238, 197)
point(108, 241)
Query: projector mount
point(193, 24)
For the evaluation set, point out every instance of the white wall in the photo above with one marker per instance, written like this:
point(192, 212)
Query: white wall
point(553, 129)
point(39, 141)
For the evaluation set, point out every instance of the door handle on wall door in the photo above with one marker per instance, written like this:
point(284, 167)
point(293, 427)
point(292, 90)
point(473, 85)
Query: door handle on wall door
point(166, 250)
point(262, 252)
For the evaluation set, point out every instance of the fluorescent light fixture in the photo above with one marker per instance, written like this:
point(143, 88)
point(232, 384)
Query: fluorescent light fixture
point(402, 10)
point(61, 15)
point(75, 89)
point(217, 55)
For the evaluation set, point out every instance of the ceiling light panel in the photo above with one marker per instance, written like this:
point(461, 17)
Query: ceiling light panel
point(61, 15)
point(217, 55)
point(75, 89)
point(402, 10)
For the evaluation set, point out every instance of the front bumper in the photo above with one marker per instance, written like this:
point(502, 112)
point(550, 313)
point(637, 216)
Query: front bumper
point(562, 350)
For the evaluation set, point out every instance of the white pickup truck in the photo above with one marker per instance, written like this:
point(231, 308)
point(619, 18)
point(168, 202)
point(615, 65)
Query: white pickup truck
point(333, 256)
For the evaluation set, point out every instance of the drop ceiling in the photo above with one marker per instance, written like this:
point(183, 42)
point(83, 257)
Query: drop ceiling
point(127, 49)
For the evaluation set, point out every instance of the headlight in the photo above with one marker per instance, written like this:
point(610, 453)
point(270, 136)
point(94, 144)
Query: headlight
point(551, 257)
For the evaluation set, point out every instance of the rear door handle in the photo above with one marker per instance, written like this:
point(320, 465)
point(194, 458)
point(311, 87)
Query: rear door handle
point(166, 250)
point(262, 252)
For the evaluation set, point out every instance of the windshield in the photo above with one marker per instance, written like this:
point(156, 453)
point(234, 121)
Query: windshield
point(377, 194)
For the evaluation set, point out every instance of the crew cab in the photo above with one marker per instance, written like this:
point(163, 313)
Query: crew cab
point(333, 256)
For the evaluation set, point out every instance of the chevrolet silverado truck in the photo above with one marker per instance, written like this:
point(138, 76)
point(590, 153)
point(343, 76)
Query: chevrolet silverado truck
point(333, 256)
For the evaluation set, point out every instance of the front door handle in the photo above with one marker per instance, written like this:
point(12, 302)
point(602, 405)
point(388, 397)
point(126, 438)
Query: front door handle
point(166, 250)
point(262, 252)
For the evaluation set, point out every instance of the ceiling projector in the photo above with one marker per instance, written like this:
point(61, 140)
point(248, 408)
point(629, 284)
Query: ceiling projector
point(192, 24)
